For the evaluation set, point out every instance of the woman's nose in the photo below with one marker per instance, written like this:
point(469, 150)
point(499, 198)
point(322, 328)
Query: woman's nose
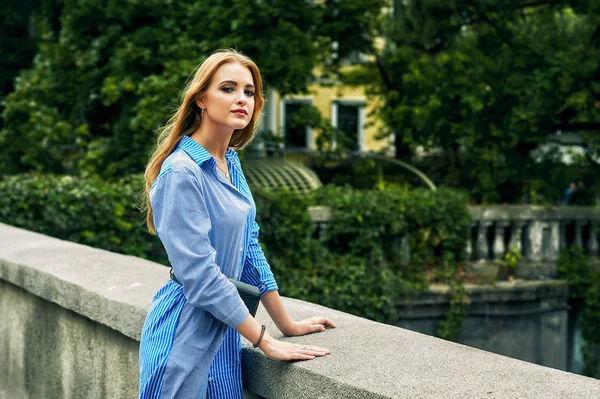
point(241, 98)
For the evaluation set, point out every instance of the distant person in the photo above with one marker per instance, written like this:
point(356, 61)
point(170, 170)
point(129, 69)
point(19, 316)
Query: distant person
point(569, 191)
point(200, 206)
point(579, 197)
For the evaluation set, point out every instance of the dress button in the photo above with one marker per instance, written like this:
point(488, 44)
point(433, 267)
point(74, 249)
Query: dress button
point(210, 379)
point(241, 249)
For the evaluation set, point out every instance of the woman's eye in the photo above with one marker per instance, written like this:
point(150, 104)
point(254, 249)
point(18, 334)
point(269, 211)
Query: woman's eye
point(227, 89)
point(249, 93)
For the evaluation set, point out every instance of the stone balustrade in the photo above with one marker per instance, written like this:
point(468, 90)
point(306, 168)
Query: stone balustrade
point(538, 233)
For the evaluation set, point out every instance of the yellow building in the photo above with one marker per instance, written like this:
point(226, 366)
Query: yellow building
point(346, 107)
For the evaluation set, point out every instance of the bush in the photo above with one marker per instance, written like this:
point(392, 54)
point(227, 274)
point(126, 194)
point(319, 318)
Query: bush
point(358, 264)
point(373, 222)
point(87, 211)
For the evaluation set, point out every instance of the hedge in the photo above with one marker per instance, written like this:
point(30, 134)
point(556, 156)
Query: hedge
point(357, 264)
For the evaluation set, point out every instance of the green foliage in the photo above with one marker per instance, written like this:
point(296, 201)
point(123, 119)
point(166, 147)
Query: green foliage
point(573, 265)
point(286, 229)
point(590, 329)
point(314, 269)
point(343, 35)
point(305, 268)
point(107, 73)
point(508, 264)
point(511, 259)
point(14, 22)
point(452, 323)
point(87, 211)
point(488, 83)
point(359, 264)
point(584, 291)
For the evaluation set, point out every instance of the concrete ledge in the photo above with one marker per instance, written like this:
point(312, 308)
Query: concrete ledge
point(368, 359)
point(375, 360)
point(112, 289)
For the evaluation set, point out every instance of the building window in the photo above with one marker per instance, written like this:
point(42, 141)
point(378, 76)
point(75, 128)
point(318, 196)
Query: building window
point(349, 117)
point(296, 134)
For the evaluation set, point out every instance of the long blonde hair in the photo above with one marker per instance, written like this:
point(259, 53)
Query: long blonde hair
point(187, 118)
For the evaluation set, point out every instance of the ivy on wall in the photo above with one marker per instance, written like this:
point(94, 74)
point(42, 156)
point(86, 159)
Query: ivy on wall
point(575, 266)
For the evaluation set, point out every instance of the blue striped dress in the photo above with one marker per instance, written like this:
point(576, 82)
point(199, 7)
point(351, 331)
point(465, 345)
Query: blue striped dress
point(189, 347)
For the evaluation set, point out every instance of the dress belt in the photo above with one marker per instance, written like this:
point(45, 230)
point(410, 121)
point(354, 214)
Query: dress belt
point(172, 275)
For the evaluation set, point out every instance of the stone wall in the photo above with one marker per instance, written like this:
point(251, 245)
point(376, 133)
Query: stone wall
point(71, 317)
point(526, 320)
point(51, 352)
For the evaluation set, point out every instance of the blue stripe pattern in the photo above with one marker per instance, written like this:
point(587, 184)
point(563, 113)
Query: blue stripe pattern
point(158, 338)
point(189, 345)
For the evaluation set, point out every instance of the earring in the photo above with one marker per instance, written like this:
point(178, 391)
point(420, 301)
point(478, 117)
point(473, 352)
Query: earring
point(201, 113)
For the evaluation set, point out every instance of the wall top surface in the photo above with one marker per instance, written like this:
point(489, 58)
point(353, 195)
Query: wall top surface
point(368, 359)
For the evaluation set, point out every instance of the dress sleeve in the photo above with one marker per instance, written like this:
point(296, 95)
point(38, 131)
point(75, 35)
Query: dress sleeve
point(182, 223)
point(257, 271)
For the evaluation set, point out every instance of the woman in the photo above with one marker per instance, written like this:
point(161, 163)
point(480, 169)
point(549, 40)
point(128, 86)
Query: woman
point(201, 208)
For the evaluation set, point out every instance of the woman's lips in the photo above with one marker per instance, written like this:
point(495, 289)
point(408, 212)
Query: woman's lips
point(240, 113)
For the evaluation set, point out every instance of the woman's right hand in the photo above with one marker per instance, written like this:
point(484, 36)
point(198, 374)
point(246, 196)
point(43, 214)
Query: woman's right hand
point(279, 350)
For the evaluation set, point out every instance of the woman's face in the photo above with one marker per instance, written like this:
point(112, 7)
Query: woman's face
point(228, 103)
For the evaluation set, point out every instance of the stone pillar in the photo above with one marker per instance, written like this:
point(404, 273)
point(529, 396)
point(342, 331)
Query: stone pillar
point(562, 233)
point(515, 236)
point(593, 240)
point(499, 249)
point(469, 246)
point(321, 216)
point(578, 233)
point(481, 244)
point(535, 236)
point(532, 249)
point(554, 248)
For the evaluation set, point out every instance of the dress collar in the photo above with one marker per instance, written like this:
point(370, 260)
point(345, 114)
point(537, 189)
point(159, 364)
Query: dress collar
point(199, 153)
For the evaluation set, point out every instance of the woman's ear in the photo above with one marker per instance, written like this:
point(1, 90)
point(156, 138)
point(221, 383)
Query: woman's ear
point(199, 101)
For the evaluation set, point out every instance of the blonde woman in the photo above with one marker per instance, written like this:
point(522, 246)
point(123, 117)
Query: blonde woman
point(201, 208)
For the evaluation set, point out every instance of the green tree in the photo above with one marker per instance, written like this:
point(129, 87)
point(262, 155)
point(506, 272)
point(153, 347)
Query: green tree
point(488, 82)
point(108, 73)
point(17, 43)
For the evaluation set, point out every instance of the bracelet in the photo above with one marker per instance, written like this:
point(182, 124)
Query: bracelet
point(262, 333)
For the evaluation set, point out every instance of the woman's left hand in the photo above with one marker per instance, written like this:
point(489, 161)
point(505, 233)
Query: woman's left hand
point(307, 326)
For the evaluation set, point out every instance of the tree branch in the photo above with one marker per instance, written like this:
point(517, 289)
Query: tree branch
point(501, 33)
point(383, 72)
